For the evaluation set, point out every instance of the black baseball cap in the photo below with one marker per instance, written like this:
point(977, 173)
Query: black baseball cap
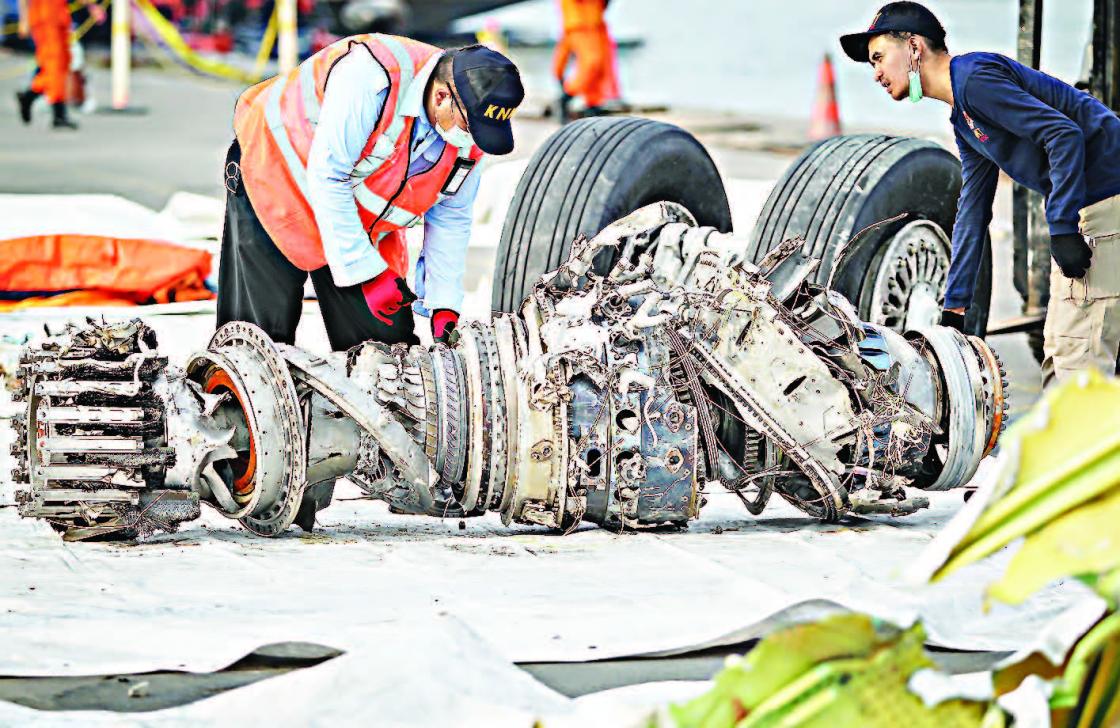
point(901, 17)
point(490, 87)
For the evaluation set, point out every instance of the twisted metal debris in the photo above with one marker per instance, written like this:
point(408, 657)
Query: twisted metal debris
point(619, 399)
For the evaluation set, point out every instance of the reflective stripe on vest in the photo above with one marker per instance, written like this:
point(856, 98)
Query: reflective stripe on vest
point(280, 135)
point(379, 207)
point(277, 131)
point(311, 109)
point(374, 204)
point(387, 142)
point(307, 86)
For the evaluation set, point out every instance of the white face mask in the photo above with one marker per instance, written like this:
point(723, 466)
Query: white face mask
point(455, 136)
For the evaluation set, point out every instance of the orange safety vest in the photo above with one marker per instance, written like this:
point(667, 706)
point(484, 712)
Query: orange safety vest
point(582, 14)
point(275, 123)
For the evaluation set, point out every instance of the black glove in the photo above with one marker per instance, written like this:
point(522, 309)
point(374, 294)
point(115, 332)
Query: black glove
point(1071, 253)
point(953, 320)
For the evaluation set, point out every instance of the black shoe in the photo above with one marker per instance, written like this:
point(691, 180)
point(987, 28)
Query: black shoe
point(61, 119)
point(25, 99)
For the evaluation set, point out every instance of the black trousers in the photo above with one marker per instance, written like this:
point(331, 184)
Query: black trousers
point(256, 283)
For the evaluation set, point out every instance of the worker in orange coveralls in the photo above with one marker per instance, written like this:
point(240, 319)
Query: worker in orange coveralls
point(48, 23)
point(585, 36)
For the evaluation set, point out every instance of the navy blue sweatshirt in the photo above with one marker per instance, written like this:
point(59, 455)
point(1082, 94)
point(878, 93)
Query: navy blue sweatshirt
point(1045, 134)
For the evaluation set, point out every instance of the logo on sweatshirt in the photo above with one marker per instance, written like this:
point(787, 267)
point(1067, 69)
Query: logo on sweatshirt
point(977, 131)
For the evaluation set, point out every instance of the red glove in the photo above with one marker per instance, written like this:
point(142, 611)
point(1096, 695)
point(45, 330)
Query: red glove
point(388, 298)
point(444, 322)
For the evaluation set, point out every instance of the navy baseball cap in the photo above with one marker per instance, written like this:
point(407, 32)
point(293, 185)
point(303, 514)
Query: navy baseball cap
point(900, 17)
point(490, 87)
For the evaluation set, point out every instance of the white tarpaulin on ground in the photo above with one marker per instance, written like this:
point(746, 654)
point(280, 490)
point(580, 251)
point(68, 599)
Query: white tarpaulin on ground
point(415, 674)
point(431, 616)
point(188, 219)
point(200, 599)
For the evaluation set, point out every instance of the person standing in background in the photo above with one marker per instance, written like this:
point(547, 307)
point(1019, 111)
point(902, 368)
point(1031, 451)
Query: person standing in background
point(1044, 134)
point(48, 24)
point(585, 36)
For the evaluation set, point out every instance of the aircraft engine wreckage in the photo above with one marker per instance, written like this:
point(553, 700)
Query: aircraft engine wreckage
point(618, 399)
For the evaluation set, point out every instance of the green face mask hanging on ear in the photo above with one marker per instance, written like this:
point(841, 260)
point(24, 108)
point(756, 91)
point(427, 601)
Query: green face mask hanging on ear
point(915, 82)
point(915, 87)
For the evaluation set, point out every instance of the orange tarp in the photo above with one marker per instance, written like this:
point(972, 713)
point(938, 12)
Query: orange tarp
point(97, 270)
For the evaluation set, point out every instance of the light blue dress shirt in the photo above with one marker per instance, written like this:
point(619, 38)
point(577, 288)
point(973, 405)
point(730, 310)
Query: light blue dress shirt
point(355, 93)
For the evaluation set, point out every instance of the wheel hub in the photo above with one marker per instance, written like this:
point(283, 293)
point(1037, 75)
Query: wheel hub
point(909, 282)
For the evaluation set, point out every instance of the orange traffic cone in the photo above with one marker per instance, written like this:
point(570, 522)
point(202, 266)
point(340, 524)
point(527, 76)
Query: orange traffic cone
point(825, 121)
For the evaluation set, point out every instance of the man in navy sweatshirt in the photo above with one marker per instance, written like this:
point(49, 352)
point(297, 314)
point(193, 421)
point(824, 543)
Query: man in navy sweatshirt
point(1042, 133)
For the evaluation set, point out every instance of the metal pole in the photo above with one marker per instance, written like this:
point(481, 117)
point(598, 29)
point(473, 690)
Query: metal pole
point(121, 52)
point(288, 50)
point(1104, 76)
point(1031, 258)
point(1030, 32)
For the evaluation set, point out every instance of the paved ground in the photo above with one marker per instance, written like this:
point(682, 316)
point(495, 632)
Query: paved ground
point(176, 136)
point(178, 143)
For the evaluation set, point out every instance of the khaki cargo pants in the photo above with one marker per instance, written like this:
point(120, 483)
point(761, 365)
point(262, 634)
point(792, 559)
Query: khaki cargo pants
point(1083, 317)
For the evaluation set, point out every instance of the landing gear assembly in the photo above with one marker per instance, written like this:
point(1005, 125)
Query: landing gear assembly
point(618, 399)
point(655, 360)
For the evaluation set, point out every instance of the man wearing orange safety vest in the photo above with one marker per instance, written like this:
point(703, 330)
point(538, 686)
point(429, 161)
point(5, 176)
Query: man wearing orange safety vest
point(333, 161)
point(48, 24)
point(585, 36)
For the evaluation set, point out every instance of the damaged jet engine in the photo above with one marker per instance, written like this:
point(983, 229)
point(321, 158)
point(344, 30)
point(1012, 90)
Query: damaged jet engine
point(619, 399)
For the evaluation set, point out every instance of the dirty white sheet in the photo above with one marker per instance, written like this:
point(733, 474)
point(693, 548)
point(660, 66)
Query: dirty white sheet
point(199, 599)
point(415, 674)
point(432, 617)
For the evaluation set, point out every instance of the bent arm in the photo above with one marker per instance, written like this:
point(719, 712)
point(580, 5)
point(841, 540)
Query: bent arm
point(996, 96)
point(352, 103)
point(974, 214)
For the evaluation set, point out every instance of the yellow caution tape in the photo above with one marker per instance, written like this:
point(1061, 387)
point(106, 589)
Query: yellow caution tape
point(159, 55)
point(267, 41)
point(85, 27)
point(175, 43)
point(170, 35)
